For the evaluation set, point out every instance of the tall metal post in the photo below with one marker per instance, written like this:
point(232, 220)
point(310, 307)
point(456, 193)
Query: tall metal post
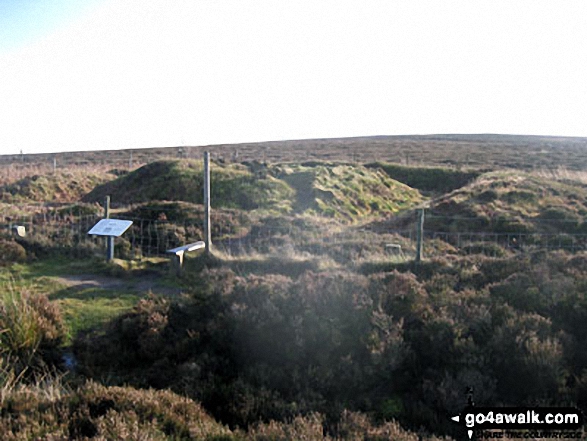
point(420, 237)
point(207, 226)
point(109, 239)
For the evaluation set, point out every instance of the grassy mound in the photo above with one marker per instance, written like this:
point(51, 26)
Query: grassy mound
point(232, 186)
point(59, 187)
point(432, 179)
point(342, 192)
point(506, 202)
point(347, 192)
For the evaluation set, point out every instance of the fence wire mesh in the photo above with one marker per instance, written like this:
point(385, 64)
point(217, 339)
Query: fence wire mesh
point(148, 237)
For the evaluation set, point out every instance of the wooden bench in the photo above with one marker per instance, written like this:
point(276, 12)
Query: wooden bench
point(394, 249)
point(177, 254)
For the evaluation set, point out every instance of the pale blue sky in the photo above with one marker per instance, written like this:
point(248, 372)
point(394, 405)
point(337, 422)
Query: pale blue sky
point(24, 21)
point(108, 74)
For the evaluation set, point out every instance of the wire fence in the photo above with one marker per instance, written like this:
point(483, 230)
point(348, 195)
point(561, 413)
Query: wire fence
point(148, 238)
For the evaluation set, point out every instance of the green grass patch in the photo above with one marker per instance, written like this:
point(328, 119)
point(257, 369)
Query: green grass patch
point(345, 192)
point(92, 308)
point(86, 306)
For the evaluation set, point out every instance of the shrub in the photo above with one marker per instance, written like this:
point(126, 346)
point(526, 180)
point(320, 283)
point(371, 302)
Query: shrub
point(309, 428)
point(11, 252)
point(98, 412)
point(256, 347)
point(560, 219)
point(525, 346)
point(401, 295)
point(80, 210)
point(487, 248)
point(355, 426)
point(31, 328)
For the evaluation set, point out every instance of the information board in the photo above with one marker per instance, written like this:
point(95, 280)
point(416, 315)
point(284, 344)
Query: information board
point(110, 227)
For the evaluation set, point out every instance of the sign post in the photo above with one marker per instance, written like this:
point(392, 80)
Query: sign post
point(110, 228)
point(109, 239)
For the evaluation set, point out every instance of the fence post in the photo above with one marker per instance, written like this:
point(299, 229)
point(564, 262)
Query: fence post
point(109, 239)
point(420, 236)
point(207, 226)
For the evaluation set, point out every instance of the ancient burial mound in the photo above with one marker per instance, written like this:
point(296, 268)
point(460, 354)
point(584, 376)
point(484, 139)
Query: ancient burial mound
point(344, 192)
point(512, 202)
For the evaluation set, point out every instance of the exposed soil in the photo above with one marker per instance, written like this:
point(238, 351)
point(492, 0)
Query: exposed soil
point(145, 284)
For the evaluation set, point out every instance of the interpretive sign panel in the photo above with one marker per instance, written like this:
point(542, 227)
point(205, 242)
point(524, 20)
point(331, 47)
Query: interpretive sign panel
point(110, 227)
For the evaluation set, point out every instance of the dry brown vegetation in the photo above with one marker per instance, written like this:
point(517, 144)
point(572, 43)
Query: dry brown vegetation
point(302, 325)
point(468, 151)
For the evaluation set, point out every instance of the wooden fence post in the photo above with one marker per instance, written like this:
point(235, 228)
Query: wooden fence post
point(109, 239)
point(420, 236)
point(207, 226)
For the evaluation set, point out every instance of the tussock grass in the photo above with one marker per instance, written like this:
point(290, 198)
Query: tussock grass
point(31, 328)
point(561, 173)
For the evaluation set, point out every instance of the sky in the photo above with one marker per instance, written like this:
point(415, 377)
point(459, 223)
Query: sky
point(110, 74)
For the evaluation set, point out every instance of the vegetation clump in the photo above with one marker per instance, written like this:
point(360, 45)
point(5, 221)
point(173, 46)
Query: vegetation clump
point(511, 202)
point(232, 186)
point(345, 192)
point(398, 345)
point(59, 187)
point(31, 329)
point(11, 252)
point(93, 411)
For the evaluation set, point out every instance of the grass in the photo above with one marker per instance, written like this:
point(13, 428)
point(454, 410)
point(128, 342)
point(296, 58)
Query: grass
point(31, 328)
point(62, 187)
point(93, 311)
point(346, 193)
point(562, 174)
point(232, 186)
point(84, 307)
point(511, 202)
point(81, 309)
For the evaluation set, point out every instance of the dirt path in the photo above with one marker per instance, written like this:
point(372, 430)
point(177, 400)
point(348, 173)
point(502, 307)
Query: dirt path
point(141, 285)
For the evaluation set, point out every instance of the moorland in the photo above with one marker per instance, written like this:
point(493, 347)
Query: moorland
point(311, 317)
